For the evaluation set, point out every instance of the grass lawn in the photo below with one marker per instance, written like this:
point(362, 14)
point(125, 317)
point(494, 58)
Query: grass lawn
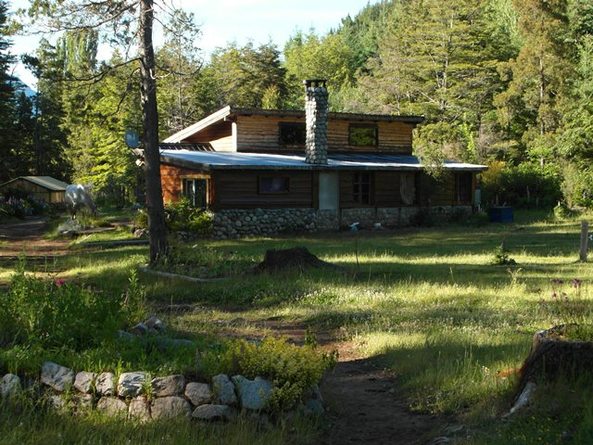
point(426, 302)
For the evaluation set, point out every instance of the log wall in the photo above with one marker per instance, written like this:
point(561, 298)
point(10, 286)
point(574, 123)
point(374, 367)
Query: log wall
point(261, 133)
point(218, 135)
point(171, 181)
point(239, 190)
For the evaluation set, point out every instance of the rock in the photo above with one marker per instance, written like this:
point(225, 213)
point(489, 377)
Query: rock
point(253, 394)
point(213, 412)
point(139, 409)
point(139, 329)
point(112, 406)
point(198, 393)
point(57, 402)
point(313, 408)
point(442, 440)
point(10, 386)
point(125, 335)
point(83, 401)
point(170, 407)
point(164, 343)
point(105, 384)
point(224, 390)
point(154, 323)
point(56, 376)
point(168, 386)
point(84, 381)
point(524, 398)
point(130, 384)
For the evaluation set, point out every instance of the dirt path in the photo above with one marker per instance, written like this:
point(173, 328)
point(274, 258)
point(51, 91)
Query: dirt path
point(364, 407)
point(26, 238)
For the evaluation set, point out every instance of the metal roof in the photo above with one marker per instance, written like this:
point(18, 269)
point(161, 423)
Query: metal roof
point(46, 182)
point(266, 161)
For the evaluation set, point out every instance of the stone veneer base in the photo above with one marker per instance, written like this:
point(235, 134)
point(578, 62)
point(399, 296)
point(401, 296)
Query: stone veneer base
point(236, 223)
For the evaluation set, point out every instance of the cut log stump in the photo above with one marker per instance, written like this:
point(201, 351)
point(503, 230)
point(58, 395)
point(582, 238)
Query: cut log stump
point(553, 356)
point(294, 258)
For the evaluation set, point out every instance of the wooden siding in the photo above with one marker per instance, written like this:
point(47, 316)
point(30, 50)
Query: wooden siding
point(35, 190)
point(261, 133)
point(430, 191)
point(219, 135)
point(171, 181)
point(239, 190)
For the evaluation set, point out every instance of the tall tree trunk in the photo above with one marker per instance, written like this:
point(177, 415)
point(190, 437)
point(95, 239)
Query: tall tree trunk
point(154, 195)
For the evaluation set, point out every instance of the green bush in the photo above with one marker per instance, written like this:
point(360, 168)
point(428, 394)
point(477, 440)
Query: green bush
point(291, 368)
point(55, 314)
point(422, 218)
point(526, 185)
point(182, 216)
point(141, 219)
point(576, 186)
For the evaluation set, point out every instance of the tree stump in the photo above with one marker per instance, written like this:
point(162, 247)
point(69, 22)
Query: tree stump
point(294, 258)
point(552, 356)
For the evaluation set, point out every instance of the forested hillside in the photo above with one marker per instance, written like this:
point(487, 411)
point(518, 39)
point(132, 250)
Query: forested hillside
point(503, 82)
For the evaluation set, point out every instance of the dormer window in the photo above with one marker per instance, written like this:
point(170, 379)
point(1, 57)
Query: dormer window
point(363, 135)
point(292, 133)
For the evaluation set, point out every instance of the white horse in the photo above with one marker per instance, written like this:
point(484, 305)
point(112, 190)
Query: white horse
point(77, 197)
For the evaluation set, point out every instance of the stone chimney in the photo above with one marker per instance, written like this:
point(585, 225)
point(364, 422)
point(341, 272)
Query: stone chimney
point(316, 110)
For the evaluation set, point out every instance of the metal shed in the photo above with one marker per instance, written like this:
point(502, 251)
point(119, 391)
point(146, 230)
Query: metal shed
point(45, 188)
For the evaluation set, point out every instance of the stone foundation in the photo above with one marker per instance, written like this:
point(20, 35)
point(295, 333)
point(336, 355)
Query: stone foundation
point(237, 223)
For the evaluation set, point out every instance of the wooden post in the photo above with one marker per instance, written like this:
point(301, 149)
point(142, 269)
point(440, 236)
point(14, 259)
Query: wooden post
point(584, 241)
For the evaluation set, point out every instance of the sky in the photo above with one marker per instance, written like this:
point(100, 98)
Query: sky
point(225, 21)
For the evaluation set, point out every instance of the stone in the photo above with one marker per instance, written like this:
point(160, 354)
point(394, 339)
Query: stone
point(112, 406)
point(57, 402)
point(85, 381)
point(10, 386)
point(170, 407)
point(171, 385)
point(224, 390)
point(253, 394)
point(123, 335)
point(139, 329)
point(139, 409)
point(213, 412)
point(198, 393)
point(130, 384)
point(155, 323)
point(105, 384)
point(57, 377)
point(164, 343)
point(83, 401)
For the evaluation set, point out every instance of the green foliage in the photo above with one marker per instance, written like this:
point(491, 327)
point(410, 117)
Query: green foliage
point(182, 216)
point(501, 256)
point(58, 314)
point(291, 368)
point(525, 185)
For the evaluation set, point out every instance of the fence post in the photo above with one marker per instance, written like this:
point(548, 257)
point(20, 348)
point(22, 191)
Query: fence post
point(584, 241)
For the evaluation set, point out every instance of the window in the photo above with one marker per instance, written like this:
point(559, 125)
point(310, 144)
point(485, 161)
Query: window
point(292, 133)
point(362, 135)
point(195, 190)
point(463, 188)
point(273, 184)
point(361, 188)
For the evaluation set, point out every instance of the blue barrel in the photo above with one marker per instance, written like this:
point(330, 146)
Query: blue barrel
point(501, 214)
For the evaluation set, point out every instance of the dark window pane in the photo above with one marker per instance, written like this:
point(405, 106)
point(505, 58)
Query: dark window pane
point(292, 133)
point(363, 135)
point(273, 184)
point(195, 190)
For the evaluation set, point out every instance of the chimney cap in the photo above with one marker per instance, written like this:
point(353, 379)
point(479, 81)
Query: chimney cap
point(314, 83)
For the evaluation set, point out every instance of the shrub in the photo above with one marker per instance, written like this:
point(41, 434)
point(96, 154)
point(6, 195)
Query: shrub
point(56, 314)
point(526, 185)
point(478, 219)
point(141, 219)
point(181, 216)
point(422, 218)
point(291, 368)
point(501, 257)
point(576, 186)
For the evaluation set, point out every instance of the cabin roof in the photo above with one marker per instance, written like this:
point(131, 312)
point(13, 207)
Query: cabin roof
point(47, 182)
point(228, 113)
point(265, 161)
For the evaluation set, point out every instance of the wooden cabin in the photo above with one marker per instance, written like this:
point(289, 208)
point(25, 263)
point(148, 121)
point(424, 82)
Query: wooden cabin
point(44, 188)
point(314, 169)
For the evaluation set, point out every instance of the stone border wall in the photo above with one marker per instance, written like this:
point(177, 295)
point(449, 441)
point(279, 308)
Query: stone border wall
point(136, 395)
point(237, 223)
